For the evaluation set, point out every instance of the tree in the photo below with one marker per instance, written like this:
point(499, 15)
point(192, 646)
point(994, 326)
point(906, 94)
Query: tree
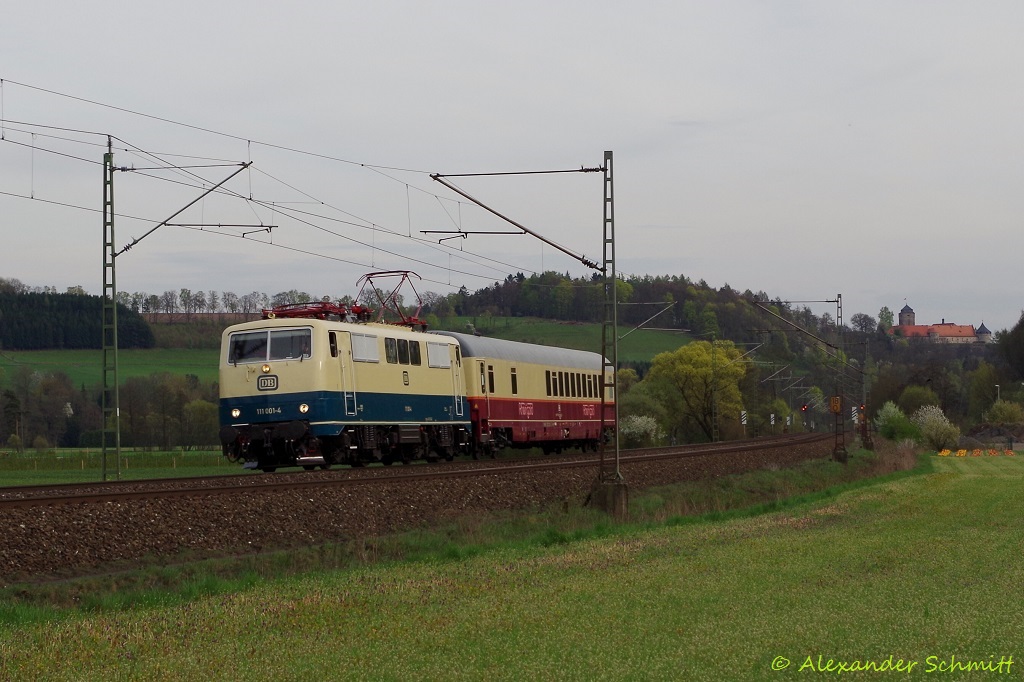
point(915, 397)
point(885, 319)
point(700, 377)
point(862, 323)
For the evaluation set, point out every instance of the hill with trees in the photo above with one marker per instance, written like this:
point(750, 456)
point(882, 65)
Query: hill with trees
point(742, 363)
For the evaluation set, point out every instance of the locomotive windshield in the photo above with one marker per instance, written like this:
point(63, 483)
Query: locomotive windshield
point(269, 344)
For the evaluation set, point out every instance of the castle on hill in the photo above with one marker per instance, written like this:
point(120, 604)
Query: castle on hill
point(943, 332)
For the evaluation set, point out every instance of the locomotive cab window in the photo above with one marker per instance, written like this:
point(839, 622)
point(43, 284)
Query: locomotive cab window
point(287, 344)
point(270, 344)
point(247, 347)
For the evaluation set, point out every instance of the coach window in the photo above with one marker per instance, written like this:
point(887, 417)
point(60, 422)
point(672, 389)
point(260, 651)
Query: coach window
point(515, 383)
point(391, 350)
point(575, 377)
point(490, 378)
point(414, 352)
point(403, 351)
point(562, 384)
point(547, 381)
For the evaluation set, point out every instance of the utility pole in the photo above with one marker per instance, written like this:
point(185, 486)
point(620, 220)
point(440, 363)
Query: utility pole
point(111, 434)
point(610, 491)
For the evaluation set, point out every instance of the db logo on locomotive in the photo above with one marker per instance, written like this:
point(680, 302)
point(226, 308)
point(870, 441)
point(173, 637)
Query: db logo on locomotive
point(267, 382)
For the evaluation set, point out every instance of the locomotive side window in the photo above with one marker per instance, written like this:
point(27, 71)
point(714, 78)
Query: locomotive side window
point(403, 351)
point(289, 343)
point(364, 348)
point(414, 352)
point(515, 382)
point(334, 344)
point(437, 355)
point(391, 350)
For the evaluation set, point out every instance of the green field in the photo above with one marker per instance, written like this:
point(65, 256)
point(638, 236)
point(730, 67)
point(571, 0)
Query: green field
point(921, 570)
point(85, 367)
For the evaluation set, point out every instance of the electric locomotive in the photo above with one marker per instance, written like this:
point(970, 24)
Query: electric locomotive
point(312, 385)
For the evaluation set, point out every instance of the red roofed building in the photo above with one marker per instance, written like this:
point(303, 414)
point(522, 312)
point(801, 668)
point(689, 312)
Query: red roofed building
point(943, 332)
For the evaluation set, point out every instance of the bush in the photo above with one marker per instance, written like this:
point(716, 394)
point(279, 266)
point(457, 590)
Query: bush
point(14, 443)
point(640, 431)
point(937, 432)
point(1004, 412)
point(40, 444)
point(894, 425)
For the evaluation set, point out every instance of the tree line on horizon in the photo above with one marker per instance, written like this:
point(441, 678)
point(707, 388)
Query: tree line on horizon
point(961, 380)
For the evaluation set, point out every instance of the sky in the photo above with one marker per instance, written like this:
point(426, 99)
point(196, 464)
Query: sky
point(804, 149)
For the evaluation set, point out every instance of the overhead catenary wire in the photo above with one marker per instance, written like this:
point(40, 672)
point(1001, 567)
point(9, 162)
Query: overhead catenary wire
point(381, 169)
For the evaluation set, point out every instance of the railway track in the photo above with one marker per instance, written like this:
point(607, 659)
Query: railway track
point(123, 491)
point(70, 531)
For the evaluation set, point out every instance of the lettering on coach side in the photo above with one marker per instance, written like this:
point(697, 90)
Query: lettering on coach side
point(589, 410)
point(526, 410)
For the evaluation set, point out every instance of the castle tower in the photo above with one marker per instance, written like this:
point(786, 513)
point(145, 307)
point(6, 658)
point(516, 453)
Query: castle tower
point(907, 316)
point(984, 335)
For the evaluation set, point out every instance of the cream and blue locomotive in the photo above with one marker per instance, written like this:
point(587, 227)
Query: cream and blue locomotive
point(317, 385)
point(305, 391)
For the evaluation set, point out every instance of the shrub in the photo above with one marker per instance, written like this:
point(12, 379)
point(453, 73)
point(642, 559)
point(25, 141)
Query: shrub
point(894, 425)
point(936, 431)
point(640, 431)
point(40, 444)
point(1004, 412)
point(14, 443)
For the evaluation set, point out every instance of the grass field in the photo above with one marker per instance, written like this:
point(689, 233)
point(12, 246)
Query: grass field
point(84, 367)
point(923, 569)
point(85, 465)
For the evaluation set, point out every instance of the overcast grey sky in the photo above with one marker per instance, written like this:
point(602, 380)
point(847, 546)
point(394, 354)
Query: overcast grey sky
point(805, 149)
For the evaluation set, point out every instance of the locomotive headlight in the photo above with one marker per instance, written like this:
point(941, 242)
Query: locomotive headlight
point(266, 369)
point(235, 413)
point(303, 408)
